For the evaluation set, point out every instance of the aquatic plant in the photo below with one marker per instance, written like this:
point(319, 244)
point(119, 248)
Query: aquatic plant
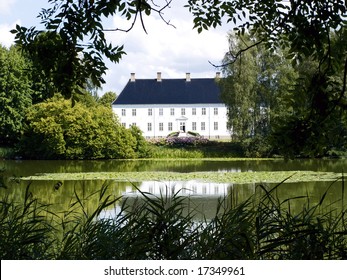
point(164, 227)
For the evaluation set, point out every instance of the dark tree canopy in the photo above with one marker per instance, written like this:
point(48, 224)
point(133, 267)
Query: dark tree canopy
point(304, 26)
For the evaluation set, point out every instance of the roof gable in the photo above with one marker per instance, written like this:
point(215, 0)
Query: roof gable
point(170, 91)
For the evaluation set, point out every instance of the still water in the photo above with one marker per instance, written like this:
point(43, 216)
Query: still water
point(204, 196)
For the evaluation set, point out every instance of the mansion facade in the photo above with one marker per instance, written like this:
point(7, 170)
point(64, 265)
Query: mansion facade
point(162, 106)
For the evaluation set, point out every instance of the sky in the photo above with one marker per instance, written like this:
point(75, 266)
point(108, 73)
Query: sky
point(171, 51)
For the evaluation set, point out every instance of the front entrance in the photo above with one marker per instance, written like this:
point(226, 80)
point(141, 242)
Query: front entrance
point(183, 127)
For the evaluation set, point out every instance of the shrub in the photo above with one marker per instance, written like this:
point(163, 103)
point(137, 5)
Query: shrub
point(55, 129)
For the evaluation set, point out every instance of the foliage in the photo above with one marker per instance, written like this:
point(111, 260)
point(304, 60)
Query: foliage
point(73, 43)
point(309, 32)
point(174, 140)
point(55, 129)
point(25, 231)
point(7, 153)
point(302, 26)
point(164, 148)
point(163, 227)
point(107, 99)
point(142, 146)
point(15, 94)
point(256, 83)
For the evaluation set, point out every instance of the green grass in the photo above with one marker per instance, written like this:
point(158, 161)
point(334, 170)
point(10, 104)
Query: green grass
point(164, 227)
point(212, 149)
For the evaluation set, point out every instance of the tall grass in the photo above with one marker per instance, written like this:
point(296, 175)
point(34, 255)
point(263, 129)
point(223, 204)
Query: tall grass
point(210, 149)
point(164, 227)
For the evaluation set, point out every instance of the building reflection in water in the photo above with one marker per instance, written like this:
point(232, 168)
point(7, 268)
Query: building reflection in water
point(202, 198)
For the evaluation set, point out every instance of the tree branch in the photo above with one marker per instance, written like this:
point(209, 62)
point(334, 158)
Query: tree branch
point(237, 55)
point(138, 12)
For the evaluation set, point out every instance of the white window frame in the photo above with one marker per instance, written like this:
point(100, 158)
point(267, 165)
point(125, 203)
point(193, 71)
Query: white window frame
point(215, 125)
point(203, 126)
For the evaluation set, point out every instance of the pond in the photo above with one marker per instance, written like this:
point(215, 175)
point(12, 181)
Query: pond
point(58, 182)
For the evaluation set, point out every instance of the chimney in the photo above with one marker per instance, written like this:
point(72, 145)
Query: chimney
point(217, 75)
point(158, 76)
point(188, 77)
point(132, 77)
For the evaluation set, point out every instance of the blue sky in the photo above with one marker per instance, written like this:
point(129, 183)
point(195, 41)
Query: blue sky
point(172, 51)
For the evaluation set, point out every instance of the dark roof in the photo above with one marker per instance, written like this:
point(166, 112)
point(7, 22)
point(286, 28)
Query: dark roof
point(170, 91)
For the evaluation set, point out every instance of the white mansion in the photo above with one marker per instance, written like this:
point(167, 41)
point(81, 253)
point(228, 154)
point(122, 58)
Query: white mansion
point(162, 106)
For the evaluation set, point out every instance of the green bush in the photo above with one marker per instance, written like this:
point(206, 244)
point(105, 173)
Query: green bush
point(57, 130)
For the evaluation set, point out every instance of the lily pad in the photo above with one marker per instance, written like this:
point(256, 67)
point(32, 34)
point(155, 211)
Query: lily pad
point(217, 177)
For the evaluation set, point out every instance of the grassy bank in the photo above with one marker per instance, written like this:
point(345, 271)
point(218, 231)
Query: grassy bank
point(210, 149)
point(164, 227)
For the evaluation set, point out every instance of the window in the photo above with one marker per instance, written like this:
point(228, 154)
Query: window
point(160, 111)
point(124, 124)
point(134, 112)
point(149, 126)
point(170, 126)
point(215, 111)
point(123, 112)
point(203, 111)
point(194, 126)
point(202, 125)
point(172, 111)
point(215, 125)
point(183, 111)
point(150, 112)
point(161, 126)
point(133, 124)
point(193, 111)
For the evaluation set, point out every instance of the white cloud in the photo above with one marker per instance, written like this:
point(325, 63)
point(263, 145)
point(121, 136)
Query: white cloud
point(172, 51)
point(6, 37)
point(6, 6)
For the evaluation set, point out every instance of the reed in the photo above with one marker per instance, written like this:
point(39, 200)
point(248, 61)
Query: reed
point(164, 227)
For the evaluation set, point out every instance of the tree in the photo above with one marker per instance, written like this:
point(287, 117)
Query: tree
point(55, 129)
point(254, 85)
point(15, 94)
point(311, 31)
point(107, 98)
point(74, 40)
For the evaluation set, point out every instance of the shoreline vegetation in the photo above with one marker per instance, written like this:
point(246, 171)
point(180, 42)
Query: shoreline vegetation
point(211, 150)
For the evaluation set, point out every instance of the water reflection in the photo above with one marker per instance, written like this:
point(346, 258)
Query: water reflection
point(201, 199)
point(204, 196)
